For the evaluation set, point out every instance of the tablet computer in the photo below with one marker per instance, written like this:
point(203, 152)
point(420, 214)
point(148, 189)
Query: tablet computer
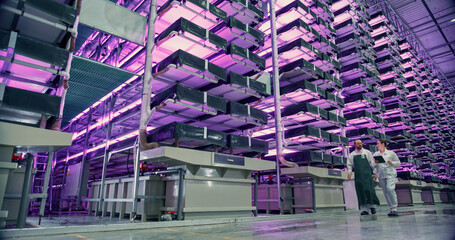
point(380, 159)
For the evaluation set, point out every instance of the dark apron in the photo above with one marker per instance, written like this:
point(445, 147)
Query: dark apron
point(364, 185)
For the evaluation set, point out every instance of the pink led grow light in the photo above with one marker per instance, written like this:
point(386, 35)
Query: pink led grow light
point(272, 152)
point(116, 140)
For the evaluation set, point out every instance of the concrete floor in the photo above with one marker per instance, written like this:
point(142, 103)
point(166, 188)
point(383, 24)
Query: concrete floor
point(425, 222)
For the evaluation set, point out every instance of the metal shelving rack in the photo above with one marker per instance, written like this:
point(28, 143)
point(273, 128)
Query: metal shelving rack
point(397, 96)
point(359, 71)
point(307, 110)
point(308, 74)
point(419, 98)
point(105, 133)
point(37, 43)
point(311, 52)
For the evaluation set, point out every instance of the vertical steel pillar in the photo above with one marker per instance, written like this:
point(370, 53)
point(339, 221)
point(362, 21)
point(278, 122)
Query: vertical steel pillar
point(137, 153)
point(47, 176)
point(84, 158)
point(63, 84)
point(51, 191)
point(107, 155)
point(276, 94)
point(146, 95)
point(65, 171)
point(180, 197)
point(147, 81)
point(23, 207)
point(255, 213)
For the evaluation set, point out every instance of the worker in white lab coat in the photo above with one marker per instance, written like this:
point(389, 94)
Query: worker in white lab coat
point(387, 173)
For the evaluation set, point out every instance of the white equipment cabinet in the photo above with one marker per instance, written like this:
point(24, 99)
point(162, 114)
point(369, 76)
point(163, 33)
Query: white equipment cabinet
point(215, 185)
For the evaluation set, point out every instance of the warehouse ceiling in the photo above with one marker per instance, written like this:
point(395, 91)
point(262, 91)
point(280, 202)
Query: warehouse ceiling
point(433, 23)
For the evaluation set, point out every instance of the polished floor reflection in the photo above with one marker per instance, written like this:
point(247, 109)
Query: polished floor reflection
point(426, 222)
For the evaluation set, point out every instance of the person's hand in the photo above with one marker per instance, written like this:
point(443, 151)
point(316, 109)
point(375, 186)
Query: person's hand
point(349, 176)
point(376, 161)
point(389, 162)
point(374, 176)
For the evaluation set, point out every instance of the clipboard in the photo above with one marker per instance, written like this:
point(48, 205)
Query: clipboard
point(380, 159)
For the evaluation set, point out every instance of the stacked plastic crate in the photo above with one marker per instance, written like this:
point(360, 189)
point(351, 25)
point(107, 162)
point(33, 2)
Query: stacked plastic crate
point(441, 130)
point(208, 74)
point(309, 83)
point(394, 81)
point(413, 87)
point(359, 72)
point(421, 86)
point(437, 169)
point(422, 94)
point(446, 113)
point(204, 69)
point(34, 67)
point(310, 103)
point(33, 64)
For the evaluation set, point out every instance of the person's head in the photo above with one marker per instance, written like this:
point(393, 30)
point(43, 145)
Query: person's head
point(382, 145)
point(358, 144)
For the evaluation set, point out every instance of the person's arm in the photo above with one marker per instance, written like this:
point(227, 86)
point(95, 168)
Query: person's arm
point(349, 165)
point(371, 160)
point(372, 164)
point(394, 161)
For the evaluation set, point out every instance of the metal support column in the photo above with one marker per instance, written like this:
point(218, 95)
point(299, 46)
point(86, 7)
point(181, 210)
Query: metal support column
point(147, 81)
point(65, 171)
point(84, 158)
point(146, 95)
point(276, 94)
point(63, 84)
point(137, 152)
point(180, 197)
point(47, 176)
point(106, 159)
point(255, 213)
point(23, 207)
point(107, 156)
point(51, 192)
point(314, 194)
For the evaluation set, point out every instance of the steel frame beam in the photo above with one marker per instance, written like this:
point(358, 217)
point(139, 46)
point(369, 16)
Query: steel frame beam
point(437, 25)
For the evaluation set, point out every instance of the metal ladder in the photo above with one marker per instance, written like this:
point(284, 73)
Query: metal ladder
point(40, 165)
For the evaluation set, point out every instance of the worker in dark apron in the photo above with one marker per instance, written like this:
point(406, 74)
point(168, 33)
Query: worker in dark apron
point(364, 169)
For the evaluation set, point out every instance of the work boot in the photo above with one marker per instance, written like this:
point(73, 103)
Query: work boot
point(364, 213)
point(373, 210)
point(393, 214)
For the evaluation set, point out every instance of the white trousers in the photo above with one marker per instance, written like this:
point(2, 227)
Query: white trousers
point(388, 188)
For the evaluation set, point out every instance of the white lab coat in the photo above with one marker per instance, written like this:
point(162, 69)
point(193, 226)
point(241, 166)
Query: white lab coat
point(385, 170)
